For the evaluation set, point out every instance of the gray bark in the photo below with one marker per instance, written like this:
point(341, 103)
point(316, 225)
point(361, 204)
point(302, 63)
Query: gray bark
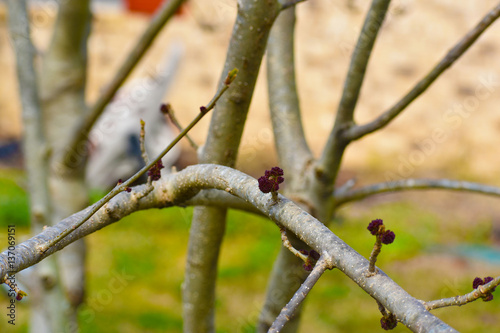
point(246, 48)
point(294, 157)
point(63, 78)
point(177, 188)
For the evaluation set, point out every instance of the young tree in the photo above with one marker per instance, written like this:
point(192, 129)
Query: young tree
point(55, 156)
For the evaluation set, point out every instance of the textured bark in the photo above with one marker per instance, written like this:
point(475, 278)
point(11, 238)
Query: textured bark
point(63, 79)
point(73, 152)
point(310, 186)
point(286, 277)
point(36, 160)
point(327, 167)
point(35, 150)
point(246, 48)
point(177, 188)
point(294, 156)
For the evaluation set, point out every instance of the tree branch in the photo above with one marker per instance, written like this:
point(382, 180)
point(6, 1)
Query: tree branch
point(80, 133)
point(414, 184)
point(458, 50)
point(288, 311)
point(216, 198)
point(62, 89)
point(35, 146)
point(245, 52)
point(329, 163)
point(474, 295)
point(125, 185)
point(294, 156)
point(176, 188)
point(289, 138)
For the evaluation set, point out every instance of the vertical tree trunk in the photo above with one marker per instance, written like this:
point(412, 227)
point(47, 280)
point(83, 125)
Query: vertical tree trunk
point(294, 157)
point(63, 79)
point(246, 49)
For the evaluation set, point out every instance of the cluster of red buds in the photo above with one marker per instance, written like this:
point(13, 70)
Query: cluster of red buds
point(271, 180)
point(388, 322)
point(479, 282)
point(377, 228)
point(155, 171)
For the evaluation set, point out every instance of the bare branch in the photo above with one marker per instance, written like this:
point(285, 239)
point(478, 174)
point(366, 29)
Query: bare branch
point(474, 295)
point(294, 156)
point(216, 198)
point(289, 246)
point(124, 185)
point(329, 162)
point(167, 110)
point(179, 187)
point(142, 136)
point(458, 50)
point(414, 184)
point(246, 49)
point(288, 311)
point(286, 277)
point(83, 128)
point(292, 148)
point(35, 146)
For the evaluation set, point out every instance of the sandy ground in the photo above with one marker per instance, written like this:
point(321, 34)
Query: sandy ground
point(452, 129)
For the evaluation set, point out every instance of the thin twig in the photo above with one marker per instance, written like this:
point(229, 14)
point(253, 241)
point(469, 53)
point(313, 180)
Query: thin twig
point(458, 50)
point(11, 282)
point(480, 292)
point(377, 247)
point(414, 184)
point(288, 311)
point(289, 246)
point(167, 110)
point(122, 186)
point(142, 142)
point(157, 23)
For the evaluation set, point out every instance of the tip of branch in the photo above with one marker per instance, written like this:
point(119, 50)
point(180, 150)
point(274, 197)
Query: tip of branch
point(231, 76)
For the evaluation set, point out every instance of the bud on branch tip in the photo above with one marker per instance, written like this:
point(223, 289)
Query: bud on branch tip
point(270, 182)
point(231, 76)
point(377, 229)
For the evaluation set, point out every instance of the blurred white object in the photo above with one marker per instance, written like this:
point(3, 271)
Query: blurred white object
point(114, 151)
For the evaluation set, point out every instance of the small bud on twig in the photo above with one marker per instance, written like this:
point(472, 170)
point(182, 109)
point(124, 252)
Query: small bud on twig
point(155, 171)
point(231, 76)
point(270, 182)
point(377, 228)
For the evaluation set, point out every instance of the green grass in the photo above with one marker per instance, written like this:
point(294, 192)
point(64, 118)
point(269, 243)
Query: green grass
point(14, 207)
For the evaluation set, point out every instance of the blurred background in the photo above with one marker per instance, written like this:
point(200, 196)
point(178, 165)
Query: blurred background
point(443, 240)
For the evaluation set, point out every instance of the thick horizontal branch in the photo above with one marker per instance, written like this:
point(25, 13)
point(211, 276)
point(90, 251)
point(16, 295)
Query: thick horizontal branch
point(458, 50)
point(345, 196)
point(217, 198)
point(179, 187)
